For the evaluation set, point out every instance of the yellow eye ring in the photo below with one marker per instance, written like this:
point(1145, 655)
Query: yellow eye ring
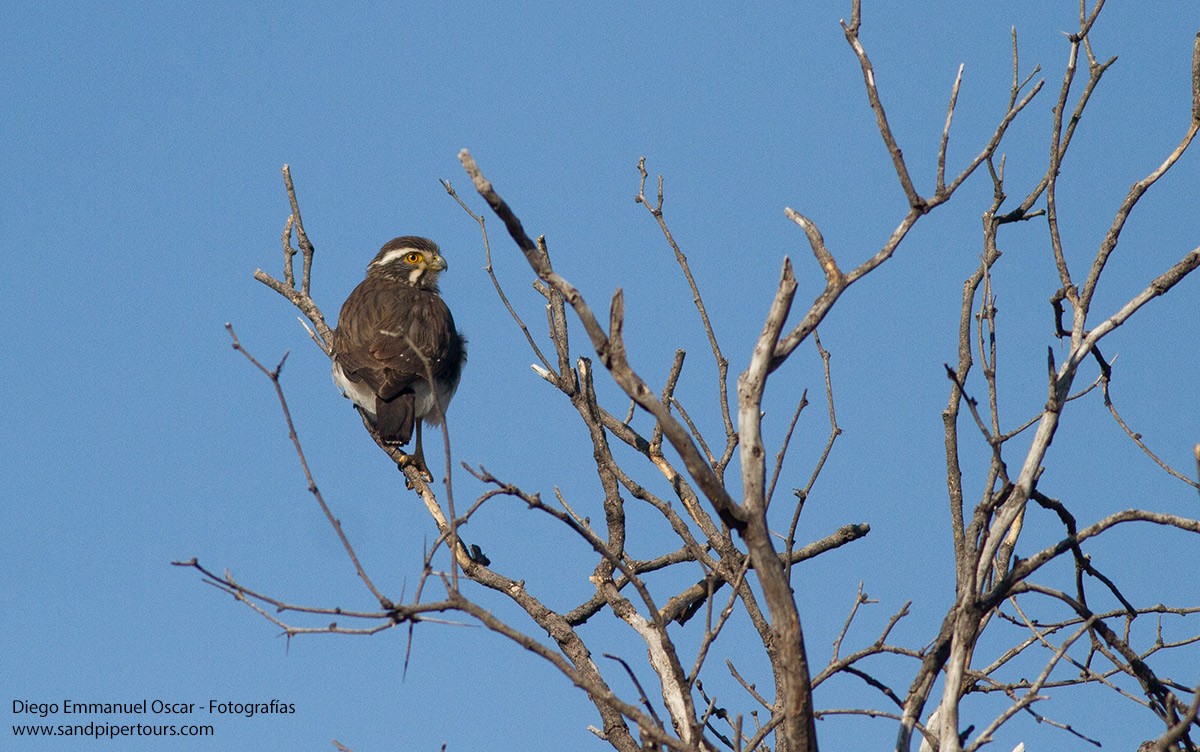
point(413, 257)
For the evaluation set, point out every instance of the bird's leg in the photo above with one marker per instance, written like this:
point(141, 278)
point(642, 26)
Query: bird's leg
point(395, 450)
point(418, 455)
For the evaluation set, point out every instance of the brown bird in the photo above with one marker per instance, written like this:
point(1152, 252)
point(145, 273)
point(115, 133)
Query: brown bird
point(393, 334)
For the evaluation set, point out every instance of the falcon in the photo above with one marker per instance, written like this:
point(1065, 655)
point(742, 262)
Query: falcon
point(396, 352)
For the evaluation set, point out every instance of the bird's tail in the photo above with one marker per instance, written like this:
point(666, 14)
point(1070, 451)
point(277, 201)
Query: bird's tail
point(396, 418)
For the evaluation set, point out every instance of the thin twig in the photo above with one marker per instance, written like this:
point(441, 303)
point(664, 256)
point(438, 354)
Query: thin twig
point(487, 267)
point(273, 375)
point(722, 363)
point(1137, 437)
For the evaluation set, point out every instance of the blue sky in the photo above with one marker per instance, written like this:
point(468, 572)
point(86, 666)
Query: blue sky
point(140, 189)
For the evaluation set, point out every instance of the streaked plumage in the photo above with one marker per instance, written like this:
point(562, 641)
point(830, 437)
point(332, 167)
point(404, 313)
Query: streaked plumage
point(391, 325)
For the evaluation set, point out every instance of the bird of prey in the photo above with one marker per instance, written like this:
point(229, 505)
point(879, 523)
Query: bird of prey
point(395, 334)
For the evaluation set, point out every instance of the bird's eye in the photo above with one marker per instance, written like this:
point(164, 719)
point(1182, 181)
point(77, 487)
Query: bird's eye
point(413, 257)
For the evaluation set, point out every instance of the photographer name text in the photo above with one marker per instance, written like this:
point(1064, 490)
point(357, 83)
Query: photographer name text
point(152, 707)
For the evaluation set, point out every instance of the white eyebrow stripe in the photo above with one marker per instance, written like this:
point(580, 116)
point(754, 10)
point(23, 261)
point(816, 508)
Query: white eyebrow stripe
point(391, 333)
point(392, 255)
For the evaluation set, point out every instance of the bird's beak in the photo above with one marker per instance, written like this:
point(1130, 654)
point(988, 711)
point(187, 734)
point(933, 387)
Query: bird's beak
point(438, 264)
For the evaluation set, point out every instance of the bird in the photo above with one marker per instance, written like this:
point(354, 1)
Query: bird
point(396, 352)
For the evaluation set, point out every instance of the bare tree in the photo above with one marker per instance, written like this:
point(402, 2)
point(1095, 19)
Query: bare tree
point(738, 544)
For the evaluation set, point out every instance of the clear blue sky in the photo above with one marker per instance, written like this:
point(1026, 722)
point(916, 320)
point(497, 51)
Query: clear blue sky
point(140, 188)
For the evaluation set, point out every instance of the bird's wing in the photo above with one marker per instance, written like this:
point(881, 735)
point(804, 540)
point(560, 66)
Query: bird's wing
point(390, 336)
point(371, 308)
point(421, 342)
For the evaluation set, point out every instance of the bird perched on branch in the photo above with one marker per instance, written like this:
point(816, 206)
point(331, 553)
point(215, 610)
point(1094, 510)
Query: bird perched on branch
point(396, 352)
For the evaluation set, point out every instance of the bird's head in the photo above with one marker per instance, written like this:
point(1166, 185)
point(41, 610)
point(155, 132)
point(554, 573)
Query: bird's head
point(411, 260)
